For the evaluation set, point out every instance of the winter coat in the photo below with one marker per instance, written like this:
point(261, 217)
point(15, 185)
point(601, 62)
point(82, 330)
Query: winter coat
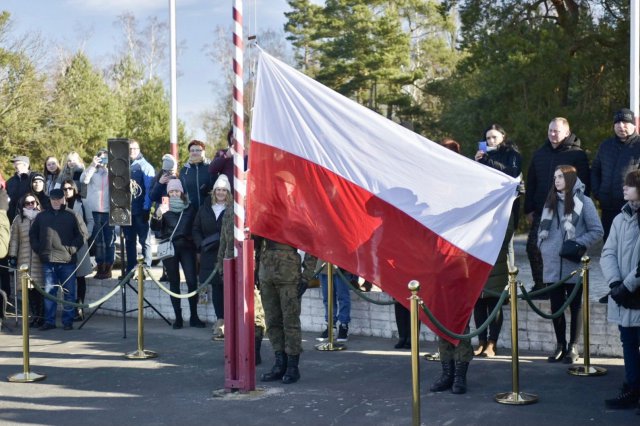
point(55, 236)
point(612, 163)
point(142, 173)
point(85, 220)
point(20, 248)
point(588, 231)
point(97, 181)
point(196, 182)
point(543, 165)
point(619, 262)
point(204, 226)
point(165, 224)
point(5, 231)
point(221, 165)
point(226, 239)
point(17, 186)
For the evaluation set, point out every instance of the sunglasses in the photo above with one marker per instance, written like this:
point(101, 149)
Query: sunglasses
point(30, 203)
point(68, 188)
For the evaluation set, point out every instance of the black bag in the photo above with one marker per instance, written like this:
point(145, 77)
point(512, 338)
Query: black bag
point(211, 242)
point(572, 251)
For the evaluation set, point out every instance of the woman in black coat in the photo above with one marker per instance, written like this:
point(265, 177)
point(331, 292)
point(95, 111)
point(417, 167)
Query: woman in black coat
point(178, 216)
point(206, 235)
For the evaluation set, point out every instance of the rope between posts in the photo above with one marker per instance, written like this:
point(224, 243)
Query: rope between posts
point(95, 304)
point(561, 310)
point(360, 293)
point(536, 292)
point(178, 295)
point(479, 330)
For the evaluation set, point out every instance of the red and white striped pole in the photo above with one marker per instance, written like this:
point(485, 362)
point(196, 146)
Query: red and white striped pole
point(238, 278)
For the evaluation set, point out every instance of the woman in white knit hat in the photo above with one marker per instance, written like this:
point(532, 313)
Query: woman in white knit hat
point(176, 218)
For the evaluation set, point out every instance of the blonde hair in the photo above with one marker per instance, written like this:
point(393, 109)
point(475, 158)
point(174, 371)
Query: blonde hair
point(75, 157)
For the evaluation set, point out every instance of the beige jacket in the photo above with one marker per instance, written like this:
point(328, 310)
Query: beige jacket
point(20, 248)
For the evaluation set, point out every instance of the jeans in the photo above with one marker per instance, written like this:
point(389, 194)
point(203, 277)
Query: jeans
point(630, 338)
point(137, 232)
point(104, 238)
point(341, 299)
point(54, 275)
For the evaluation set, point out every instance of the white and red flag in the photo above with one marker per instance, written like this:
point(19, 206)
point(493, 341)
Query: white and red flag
point(337, 180)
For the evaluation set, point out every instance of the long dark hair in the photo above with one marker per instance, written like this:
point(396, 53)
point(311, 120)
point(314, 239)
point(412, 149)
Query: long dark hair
point(506, 142)
point(20, 206)
point(570, 178)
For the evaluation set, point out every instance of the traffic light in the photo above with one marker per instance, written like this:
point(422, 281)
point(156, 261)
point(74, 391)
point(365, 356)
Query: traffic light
point(119, 182)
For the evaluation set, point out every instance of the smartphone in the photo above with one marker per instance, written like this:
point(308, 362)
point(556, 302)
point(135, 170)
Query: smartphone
point(165, 201)
point(482, 146)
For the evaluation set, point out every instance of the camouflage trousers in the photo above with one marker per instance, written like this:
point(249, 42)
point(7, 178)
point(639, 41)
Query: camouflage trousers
point(258, 310)
point(282, 314)
point(463, 352)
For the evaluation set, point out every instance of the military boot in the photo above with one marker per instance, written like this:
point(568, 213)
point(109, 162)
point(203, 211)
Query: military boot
point(292, 374)
point(446, 379)
point(460, 378)
point(278, 369)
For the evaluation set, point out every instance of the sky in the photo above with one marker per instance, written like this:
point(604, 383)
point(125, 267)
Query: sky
point(90, 25)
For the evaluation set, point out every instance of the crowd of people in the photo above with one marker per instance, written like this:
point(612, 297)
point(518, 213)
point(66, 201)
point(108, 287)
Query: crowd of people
point(59, 220)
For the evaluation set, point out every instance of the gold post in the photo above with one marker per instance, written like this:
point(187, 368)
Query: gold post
point(26, 375)
point(586, 369)
point(330, 345)
point(141, 353)
point(515, 397)
point(414, 286)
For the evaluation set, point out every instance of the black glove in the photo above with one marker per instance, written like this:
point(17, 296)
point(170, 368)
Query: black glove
point(620, 294)
point(4, 200)
point(12, 262)
point(145, 215)
point(302, 287)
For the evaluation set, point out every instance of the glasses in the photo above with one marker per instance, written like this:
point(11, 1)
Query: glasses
point(195, 150)
point(134, 148)
point(68, 188)
point(30, 203)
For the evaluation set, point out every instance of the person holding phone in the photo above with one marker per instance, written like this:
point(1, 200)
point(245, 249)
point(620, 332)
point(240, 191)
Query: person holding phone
point(96, 179)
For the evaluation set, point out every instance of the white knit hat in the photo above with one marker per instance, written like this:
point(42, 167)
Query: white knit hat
point(222, 182)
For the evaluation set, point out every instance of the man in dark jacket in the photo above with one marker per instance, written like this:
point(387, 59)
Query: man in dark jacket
point(561, 147)
point(616, 157)
point(55, 236)
point(195, 176)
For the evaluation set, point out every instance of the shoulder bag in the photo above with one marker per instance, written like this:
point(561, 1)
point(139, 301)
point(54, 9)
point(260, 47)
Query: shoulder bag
point(165, 247)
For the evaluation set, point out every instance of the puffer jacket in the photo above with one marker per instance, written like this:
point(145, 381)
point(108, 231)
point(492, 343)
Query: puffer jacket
point(543, 165)
point(97, 181)
point(588, 232)
point(20, 248)
point(142, 173)
point(619, 262)
point(612, 163)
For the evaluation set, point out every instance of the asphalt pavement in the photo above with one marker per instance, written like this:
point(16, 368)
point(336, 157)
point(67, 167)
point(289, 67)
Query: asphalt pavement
point(88, 381)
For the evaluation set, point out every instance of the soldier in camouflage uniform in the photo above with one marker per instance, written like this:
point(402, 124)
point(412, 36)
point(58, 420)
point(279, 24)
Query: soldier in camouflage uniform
point(226, 252)
point(282, 283)
point(455, 362)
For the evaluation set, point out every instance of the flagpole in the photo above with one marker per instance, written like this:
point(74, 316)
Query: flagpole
point(634, 63)
point(173, 137)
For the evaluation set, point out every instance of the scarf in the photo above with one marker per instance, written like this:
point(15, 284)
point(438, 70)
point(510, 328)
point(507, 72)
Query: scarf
point(30, 214)
point(568, 221)
point(176, 204)
point(218, 209)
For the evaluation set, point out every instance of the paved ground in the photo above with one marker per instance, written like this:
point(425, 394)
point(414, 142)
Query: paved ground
point(89, 382)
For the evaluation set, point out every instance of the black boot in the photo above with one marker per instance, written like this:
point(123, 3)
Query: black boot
point(446, 379)
point(572, 355)
point(559, 353)
point(258, 344)
point(278, 369)
point(194, 320)
point(626, 398)
point(460, 378)
point(292, 374)
point(177, 324)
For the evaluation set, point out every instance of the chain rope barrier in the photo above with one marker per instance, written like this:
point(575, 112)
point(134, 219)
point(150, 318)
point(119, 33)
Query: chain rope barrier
point(182, 295)
point(534, 308)
point(360, 293)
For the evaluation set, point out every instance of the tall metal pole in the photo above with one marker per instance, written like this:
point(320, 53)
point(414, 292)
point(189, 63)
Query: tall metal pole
point(634, 62)
point(239, 184)
point(173, 137)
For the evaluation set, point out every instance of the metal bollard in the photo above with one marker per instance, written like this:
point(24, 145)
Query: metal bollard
point(586, 369)
point(141, 353)
point(515, 397)
point(330, 345)
point(414, 286)
point(26, 376)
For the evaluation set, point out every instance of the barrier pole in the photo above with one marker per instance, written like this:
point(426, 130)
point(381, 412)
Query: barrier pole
point(586, 369)
point(141, 353)
point(414, 286)
point(515, 397)
point(330, 345)
point(26, 376)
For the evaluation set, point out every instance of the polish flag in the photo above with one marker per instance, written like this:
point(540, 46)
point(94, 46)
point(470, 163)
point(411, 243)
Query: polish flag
point(339, 181)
